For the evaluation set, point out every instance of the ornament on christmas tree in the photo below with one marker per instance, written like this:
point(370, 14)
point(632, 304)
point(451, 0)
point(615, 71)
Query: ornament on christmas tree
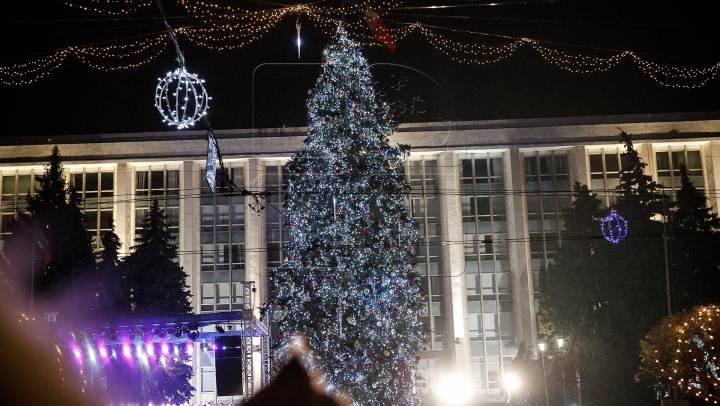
point(181, 98)
point(614, 227)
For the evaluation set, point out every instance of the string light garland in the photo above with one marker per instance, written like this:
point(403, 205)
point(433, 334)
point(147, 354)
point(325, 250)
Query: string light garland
point(121, 7)
point(125, 56)
point(614, 227)
point(682, 353)
point(227, 27)
point(31, 72)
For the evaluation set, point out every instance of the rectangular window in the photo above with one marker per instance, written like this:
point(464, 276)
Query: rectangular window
point(484, 233)
point(547, 196)
point(605, 171)
point(163, 185)
point(96, 188)
point(275, 181)
point(668, 169)
point(222, 222)
point(424, 207)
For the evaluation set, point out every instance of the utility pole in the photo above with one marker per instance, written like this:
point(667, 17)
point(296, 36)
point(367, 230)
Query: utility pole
point(667, 274)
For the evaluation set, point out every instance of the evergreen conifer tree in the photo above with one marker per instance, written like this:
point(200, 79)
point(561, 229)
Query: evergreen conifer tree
point(348, 281)
point(154, 283)
point(694, 232)
point(109, 298)
point(603, 297)
point(57, 225)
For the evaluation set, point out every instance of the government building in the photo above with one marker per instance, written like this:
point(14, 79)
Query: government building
point(487, 197)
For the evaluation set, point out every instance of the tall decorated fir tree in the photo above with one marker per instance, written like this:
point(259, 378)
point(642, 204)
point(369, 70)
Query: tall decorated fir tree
point(348, 281)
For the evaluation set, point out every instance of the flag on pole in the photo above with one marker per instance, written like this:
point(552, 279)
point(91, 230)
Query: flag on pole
point(377, 26)
point(212, 154)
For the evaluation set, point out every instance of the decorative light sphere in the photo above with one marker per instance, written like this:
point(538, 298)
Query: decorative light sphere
point(181, 98)
point(614, 227)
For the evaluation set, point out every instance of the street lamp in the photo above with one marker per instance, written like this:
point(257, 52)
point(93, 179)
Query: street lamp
point(560, 343)
point(541, 346)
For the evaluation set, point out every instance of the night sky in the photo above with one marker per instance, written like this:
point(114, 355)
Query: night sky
point(77, 99)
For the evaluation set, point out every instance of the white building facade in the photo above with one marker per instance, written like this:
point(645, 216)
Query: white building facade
point(487, 196)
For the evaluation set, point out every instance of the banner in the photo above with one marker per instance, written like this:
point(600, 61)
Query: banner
point(212, 154)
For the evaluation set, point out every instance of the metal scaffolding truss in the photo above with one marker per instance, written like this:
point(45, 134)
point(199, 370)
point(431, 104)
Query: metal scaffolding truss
point(181, 329)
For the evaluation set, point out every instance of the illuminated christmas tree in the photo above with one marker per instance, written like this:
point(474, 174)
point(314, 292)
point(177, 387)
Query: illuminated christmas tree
point(348, 280)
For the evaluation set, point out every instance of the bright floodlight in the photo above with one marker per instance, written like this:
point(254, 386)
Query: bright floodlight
point(541, 346)
point(560, 342)
point(165, 349)
point(150, 349)
point(511, 382)
point(78, 353)
point(127, 352)
point(103, 352)
point(454, 390)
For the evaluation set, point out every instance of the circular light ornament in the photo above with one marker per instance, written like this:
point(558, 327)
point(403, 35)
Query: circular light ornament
point(614, 227)
point(181, 98)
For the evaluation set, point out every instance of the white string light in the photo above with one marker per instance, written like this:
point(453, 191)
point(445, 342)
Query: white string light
point(226, 27)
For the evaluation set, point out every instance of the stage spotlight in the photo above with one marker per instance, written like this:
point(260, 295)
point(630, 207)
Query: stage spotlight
point(150, 349)
point(177, 331)
point(78, 353)
point(127, 352)
point(161, 332)
point(193, 332)
point(80, 337)
point(165, 349)
point(103, 352)
point(220, 329)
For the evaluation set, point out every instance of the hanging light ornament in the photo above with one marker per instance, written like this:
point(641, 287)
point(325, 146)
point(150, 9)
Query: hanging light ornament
point(180, 97)
point(614, 227)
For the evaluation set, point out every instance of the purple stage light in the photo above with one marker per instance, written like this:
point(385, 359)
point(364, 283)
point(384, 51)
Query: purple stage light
point(150, 349)
point(165, 349)
point(103, 352)
point(78, 353)
point(190, 348)
point(127, 352)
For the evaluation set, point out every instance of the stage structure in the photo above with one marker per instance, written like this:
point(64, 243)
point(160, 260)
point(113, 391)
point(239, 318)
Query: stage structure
point(120, 337)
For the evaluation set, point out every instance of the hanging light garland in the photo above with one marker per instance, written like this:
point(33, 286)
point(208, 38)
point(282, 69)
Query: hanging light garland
point(226, 27)
point(614, 227)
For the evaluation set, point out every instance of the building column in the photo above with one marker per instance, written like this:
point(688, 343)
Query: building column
point(189, 239)
point(456, 326)
point(646, 152)
point(255, 255)
point(124, 209)
point(711, 169)
point(520, 270)
point(578, 166)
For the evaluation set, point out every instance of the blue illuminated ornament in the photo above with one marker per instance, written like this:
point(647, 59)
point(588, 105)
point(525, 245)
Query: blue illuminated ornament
point(614, 227)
